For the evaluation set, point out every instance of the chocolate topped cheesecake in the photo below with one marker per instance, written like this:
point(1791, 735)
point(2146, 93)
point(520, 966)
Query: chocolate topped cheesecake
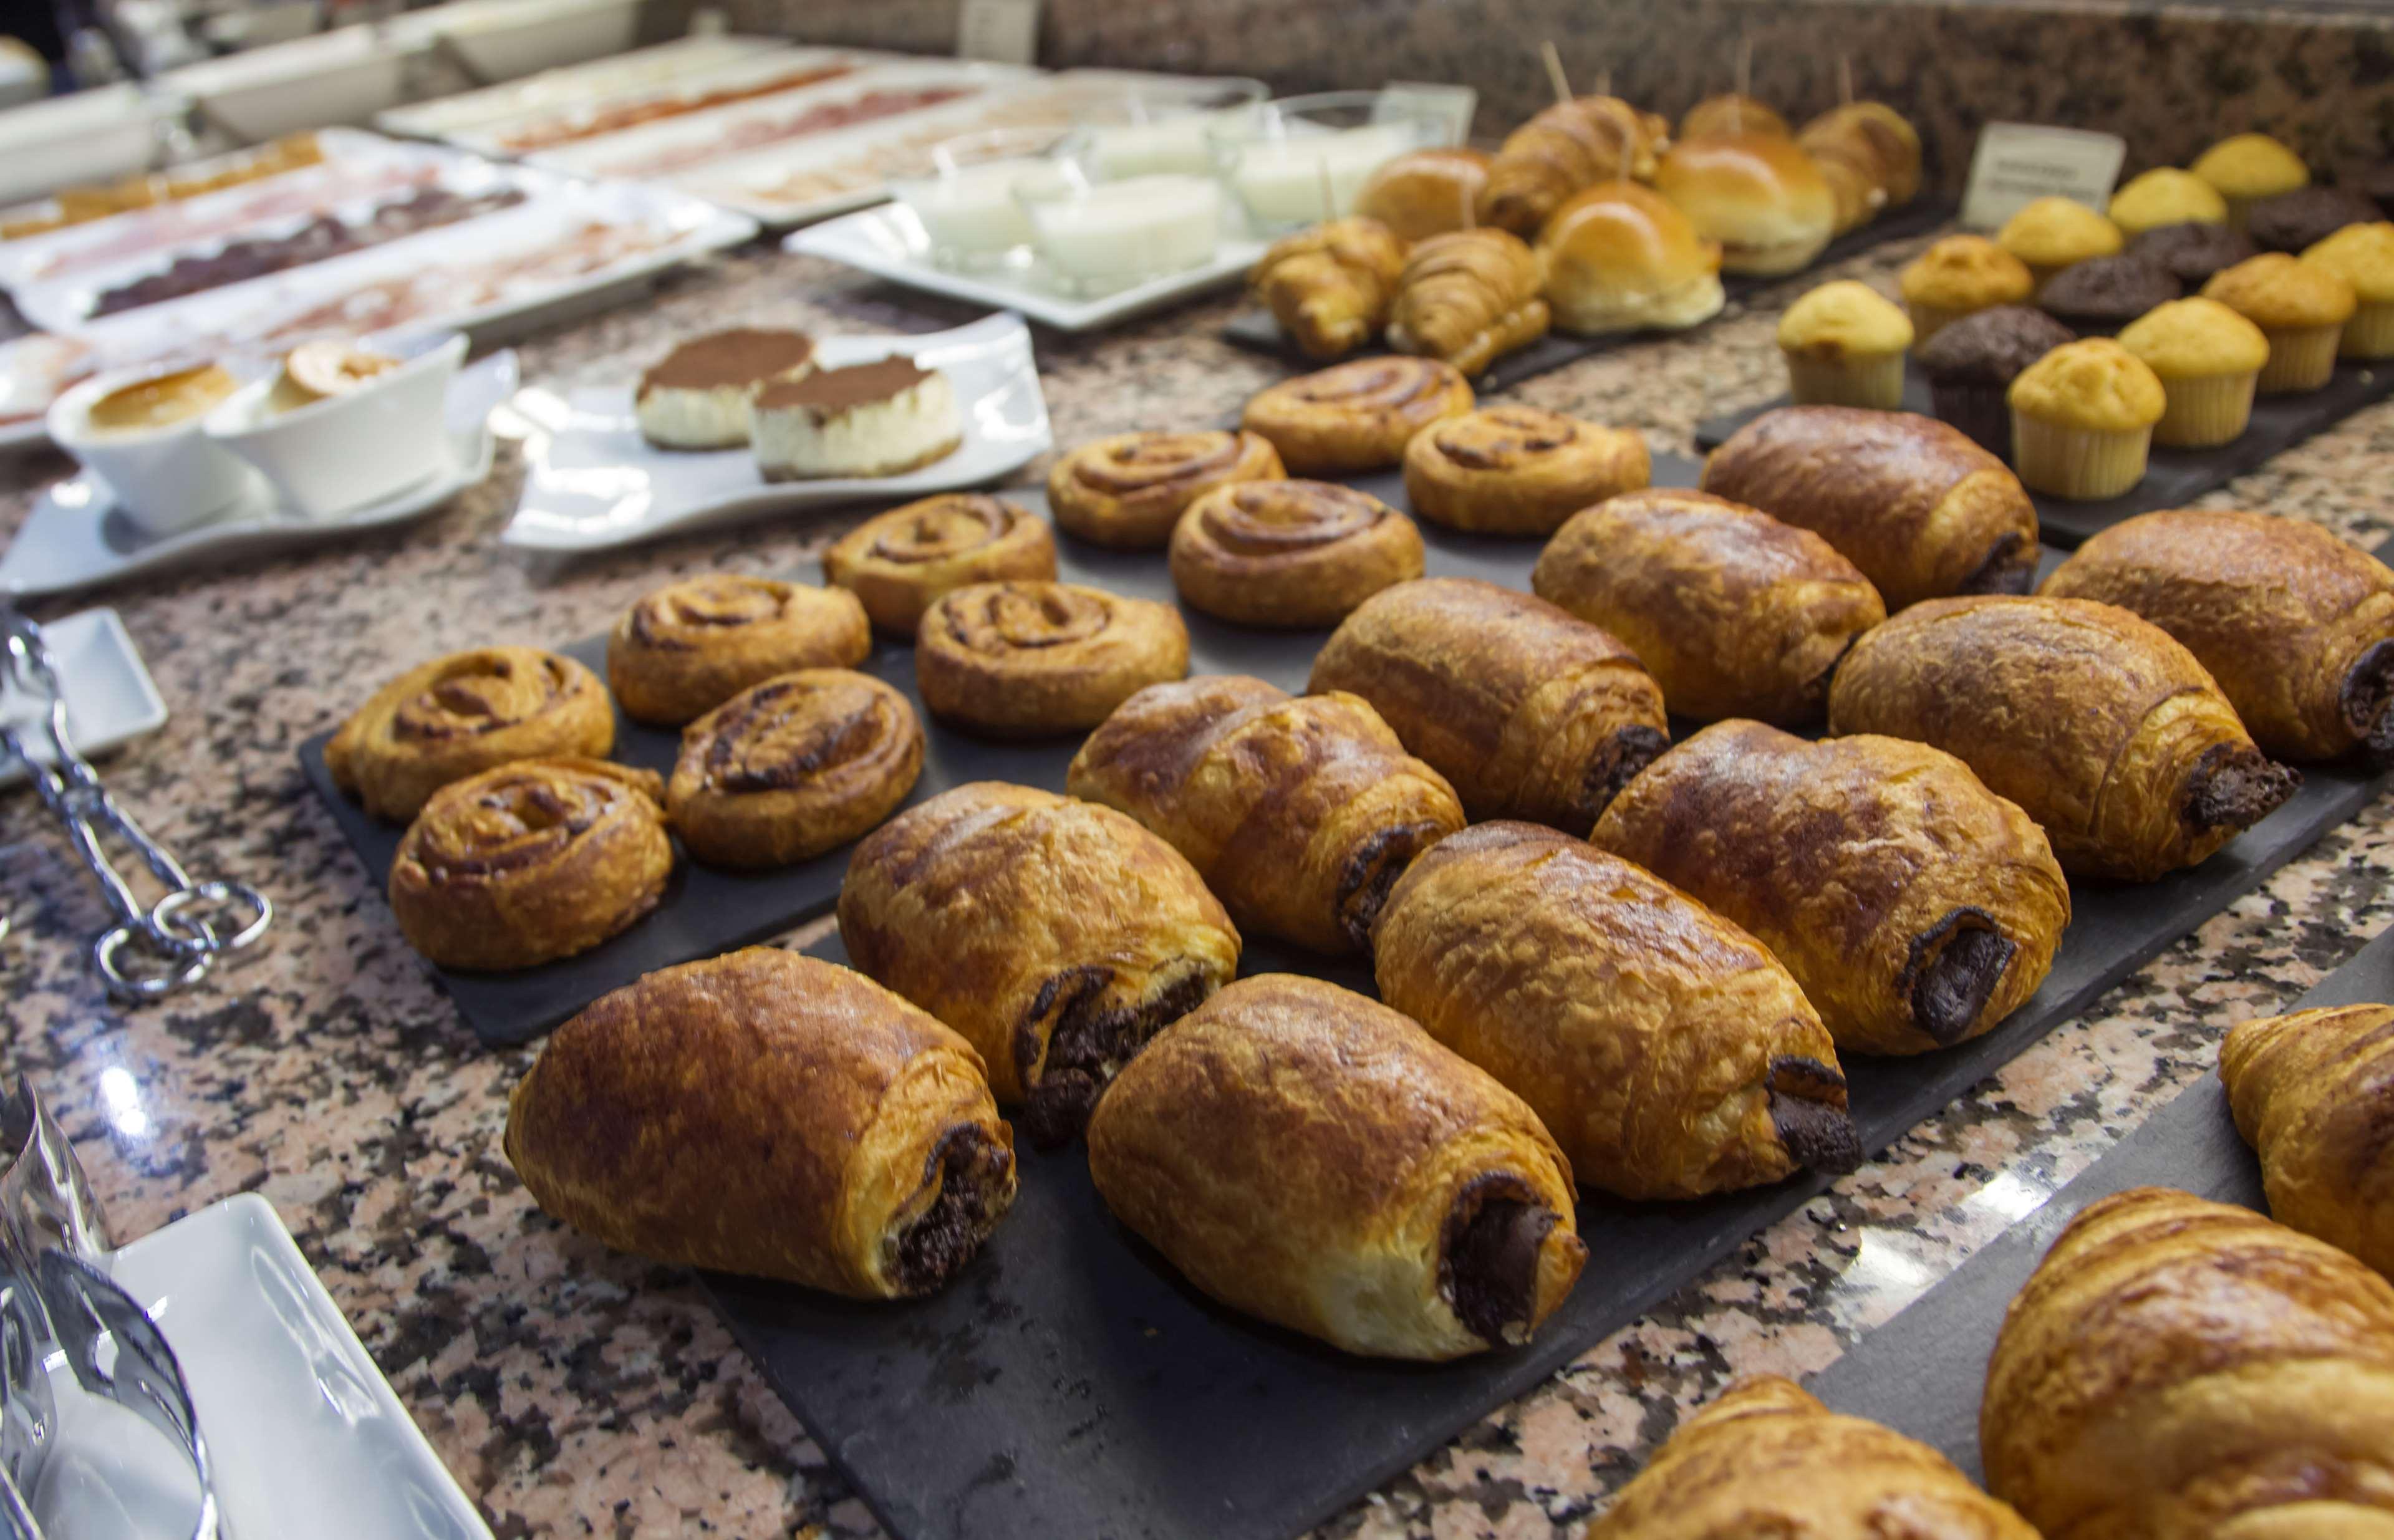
point(697, 396)
point(870, 419)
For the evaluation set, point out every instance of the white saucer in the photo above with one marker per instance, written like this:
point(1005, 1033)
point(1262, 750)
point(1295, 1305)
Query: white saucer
point(111, 698)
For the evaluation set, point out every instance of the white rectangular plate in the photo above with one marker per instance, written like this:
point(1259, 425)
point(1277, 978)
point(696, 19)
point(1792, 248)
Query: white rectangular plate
point(598, 84)
point(111, 698)
point(591, 482)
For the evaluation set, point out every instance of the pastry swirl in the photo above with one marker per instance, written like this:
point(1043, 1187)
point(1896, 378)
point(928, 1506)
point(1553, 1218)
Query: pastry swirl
point(1290, 553)
point(899, 562)
point(530, 862)
point(1126, 491)
point(1022, 659)
point(793, 767)
point(1356, 415)
point(2309, 1092)
point(691, 646)
point(1518, 470)
point(452, 717)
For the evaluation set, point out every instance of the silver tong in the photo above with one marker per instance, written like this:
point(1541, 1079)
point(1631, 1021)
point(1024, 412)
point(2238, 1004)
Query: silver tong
point(148, 953)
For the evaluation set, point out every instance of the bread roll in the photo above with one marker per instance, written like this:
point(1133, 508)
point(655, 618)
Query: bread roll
point(1622, 257)
point(2310, 1091)
point(1426, 193)
point(1730, 113)
point(1758, 194)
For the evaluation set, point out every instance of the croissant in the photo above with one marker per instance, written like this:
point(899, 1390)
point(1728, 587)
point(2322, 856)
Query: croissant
point(1668, 1051)
point(2104, 730)
point(1330, 286)
point(1766, 1459)
point(2309, 1092)
point(1875, 139)
point(1469, 297)
point(1300, 812)
point(1568, 146)
point(2184, 1370)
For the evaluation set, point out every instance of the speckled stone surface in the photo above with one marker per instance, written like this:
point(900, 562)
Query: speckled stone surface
point(577, 1392)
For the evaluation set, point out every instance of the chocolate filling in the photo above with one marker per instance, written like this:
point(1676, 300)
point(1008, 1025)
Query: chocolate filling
point(1087, 1046)
point(2233, 787)
point(1953, 971)
point(2368, 686)
point(1808, 1108)
point(2010, 568)
point(1372, 870)
point(1614, 766)
point(1489, 1257)
point(969, 1168)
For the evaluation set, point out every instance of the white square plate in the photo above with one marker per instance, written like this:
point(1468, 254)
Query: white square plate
point(111, 698)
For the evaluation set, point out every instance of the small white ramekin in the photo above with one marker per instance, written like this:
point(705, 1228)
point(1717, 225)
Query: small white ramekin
point(166, 479)
point(331, 456)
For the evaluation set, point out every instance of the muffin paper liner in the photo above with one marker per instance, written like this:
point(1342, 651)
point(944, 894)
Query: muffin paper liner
point(2205, 411)
point(2082, 464)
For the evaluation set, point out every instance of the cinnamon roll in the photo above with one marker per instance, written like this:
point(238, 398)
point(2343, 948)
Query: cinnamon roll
point(531, 862)
point(691, 646)
point(1518, 470)
point(1290, 553)
point(1126, 491)
point(1022, 659)
point(449, 718)
point(1358, 415)
point(898, 562)
point(797, 765)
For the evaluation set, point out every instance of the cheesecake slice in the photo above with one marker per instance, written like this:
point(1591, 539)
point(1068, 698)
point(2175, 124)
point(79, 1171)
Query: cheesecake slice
point(872, 419)
point(698, 396)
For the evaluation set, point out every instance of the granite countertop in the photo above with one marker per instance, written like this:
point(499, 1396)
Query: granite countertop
point(577, 1391)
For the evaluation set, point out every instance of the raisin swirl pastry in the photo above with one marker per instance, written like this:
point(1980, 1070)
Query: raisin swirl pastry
point(691, 646)
point(531, 862)
point(449, 718)
point(1025, 659)
point(1358, 415)
point(794, 767)
point(1518, 470)
point(1126, 491)
point(1055, 935)
point(1299, 812)
point(899, 562)
point(1290, 553)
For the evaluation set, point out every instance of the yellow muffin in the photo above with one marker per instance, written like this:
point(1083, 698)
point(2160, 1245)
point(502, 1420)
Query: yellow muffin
point(2166, 196)
point(2051, 233)
point(2363, 257)
point(2209, 360)
point(1844, 343)
point(1961, 275)
point(2249, 168)
point(2300, 307)
point(2083, 420)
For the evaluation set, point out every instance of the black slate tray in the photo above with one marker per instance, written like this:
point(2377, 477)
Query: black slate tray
point(1257, 331)
point(1923, 1372)
point(2174, 477)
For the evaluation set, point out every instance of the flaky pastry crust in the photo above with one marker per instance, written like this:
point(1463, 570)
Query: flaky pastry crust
point(799, 765)
point(1290, 553)
point(689, 646)
point(2309, 1090)
point(899, 562)
point(1021, 660)
point(1356, 415)
point(1518, 470)
point(1126, 491)
point(452, 717)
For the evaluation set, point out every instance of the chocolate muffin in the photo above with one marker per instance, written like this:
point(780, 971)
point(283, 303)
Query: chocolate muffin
point(2297, 221)
point(2098, 296)
point(1972, 362)
point(2377, 184)
point(2192, 253)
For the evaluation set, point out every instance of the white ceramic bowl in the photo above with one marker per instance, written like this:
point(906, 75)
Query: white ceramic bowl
point(340, 453)
point(166, 479)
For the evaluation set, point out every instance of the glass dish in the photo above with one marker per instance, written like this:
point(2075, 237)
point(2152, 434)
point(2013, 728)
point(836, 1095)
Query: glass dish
point(966, 207)
point(1097, 237)
point(1300, 160)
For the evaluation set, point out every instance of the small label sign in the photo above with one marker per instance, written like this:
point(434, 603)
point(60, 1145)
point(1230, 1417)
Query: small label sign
point(2018, 163)
point(1002, 32)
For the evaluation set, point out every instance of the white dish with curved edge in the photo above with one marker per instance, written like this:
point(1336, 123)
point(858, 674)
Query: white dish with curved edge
point(362, 445)
point(111, 698)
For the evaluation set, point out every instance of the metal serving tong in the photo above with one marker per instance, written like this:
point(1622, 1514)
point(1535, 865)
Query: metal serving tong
point(148, 953)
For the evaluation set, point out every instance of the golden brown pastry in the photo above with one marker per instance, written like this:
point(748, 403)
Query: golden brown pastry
point(1518, 470)
point(1056, 935)
point(1669, 1052)
point(2310, 1091)
point(1469, 297)
point(1874, 139)
point(1568, 146)
point(1736, 614)
point(530, 862)
point(689, 646)
point(2184, 1370)
point(1426, 193)
point(771, 1114)
point(1528, 712)
point(1762, 198)
point(1306, 1156)
point(2296, 626)
point(1730, 113)
point(1922, 510)
point(1290, 553)
point(899, 562)
point(1027, 659)
point(2104, 730)
point(790, 769)
point(1766, 1459)
point(1299, 812)
point(1126, 491)
point(1329, 286)
point(452, 717)
point(1622, 257)
point(1358, 415)
point(1916, 907)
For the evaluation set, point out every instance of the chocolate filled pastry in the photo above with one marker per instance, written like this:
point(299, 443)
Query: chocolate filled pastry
point(1308, 1156)
point(531, 862)
point(2104, 730)
point(1027, 659)
point(1916, 907)
point(770, 1114)
point(1299, 812)
point(1670, 1053)
point(898, 562)
point(1056, 935)
point(2296, 626)
point(794, 767)
point(1290, 553)
point(1125, 492)
point(2309, 1092)
point(1736, 614)
point(1568, 146)
point(1358, 415)
point(1329, 286)
point(447, 719)
point(1469, 296)
point(692, 645)
point(1527, 711)
point(1922, 510)
point(1518, 470)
